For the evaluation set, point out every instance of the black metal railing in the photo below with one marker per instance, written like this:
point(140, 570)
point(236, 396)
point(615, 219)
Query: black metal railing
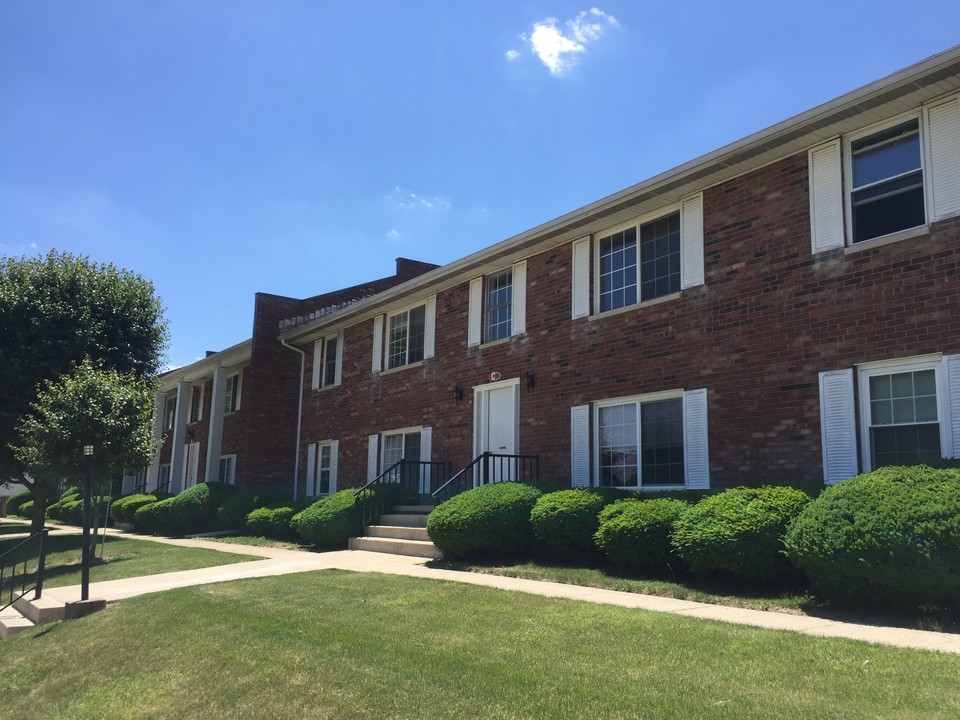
point(405, 480)
point(490, 468)
point(16, 577)
point(162, 487)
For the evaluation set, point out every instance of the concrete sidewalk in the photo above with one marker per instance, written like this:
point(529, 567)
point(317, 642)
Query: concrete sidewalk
point(279, 561)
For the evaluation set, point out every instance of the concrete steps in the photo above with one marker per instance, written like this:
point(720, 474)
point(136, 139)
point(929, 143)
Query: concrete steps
point(401, 532)
point(25, 614)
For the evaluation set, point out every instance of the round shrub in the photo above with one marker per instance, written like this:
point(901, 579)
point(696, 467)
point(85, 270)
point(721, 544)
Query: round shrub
point(565, 521)
point(271, 522)
point(131, 504)
point(15, 501)
point(72, 512)
point(195, 509)
point(487, 520)
point(890, 536)
point(156, 518)
point(739, 531)
point(233, 512)
point(329, 522)
point(636, 534)
point(26, 509)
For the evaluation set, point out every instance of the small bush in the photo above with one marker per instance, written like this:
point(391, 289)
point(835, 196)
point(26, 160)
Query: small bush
point(485, 520)
point(233, 512)
point(131, 504)
point(15, 501)
point(739, 531)
point(195, 509)
point(636, 534)
point(565, 521)
point(26, 509)
point(329, 522)
point(157, 518)
point(271, 522)
point(891, 536)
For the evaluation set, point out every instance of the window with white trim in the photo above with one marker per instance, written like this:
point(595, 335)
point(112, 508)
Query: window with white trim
point(231, 398)
point(169, 412)
point(397, 446)
point(654, 257)
point(640, 443)
point(406, 332)
point(322, 468)
point(228, 469)
point(196, 403)
point(327, 361)
point(498, 305)
point(163, 477)
point(886, 180)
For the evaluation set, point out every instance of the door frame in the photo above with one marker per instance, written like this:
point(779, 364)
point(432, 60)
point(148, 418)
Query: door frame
point(481, 413)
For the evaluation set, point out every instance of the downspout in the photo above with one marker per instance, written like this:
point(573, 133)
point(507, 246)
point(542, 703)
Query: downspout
point(296, 458)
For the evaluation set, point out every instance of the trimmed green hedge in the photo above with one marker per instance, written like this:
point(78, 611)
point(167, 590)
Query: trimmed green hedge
point(565, 521)
point(16, 500)
point(636, 534)
point(195, 509)
point(156, 518)
point(233, 512)
point(490, 519)
point(132, 503)
point(740, 531)
point(891, 536)
point(329, 522)
point(271, 522)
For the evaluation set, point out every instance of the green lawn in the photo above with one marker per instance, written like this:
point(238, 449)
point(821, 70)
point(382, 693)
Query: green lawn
point(257, 541)
point(122, 558)
point(333, 644)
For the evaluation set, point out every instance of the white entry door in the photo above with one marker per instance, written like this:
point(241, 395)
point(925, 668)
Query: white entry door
point(191, 464)
point(496, 427)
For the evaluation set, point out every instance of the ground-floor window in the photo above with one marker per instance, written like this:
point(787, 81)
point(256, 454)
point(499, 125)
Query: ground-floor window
point(403, 445)
point(322, 468)
point(228, 469)
point(640, 442)
point(163, 479)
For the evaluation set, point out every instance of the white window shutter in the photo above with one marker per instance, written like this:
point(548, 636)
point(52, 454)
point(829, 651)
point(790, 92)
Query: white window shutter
point(334, 449)
point(944, 133)
point(426, 453)
point(430, 327)
point(580, 446)
point(372, 448)
point(838, 432)
point(580, 289)
point(826, 197)
point(338, 373)
point(311, 469)
point(378, 343)
point(691, 234)
point(475, 312)
point(696, 454)
point(317, 363)
point(951, 364)
point(519, 319)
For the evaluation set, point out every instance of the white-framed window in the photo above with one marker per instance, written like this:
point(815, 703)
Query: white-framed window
point(169, 412)
point(400, 445)
point(649, 441)
point(327, 361)
point(322, 468)
point(655, 256)
point(498, 305)
point(163, 477)
point(909, 413)
point(404, 337)
point(228, 469)
point(196, 403)
point(231, 398)
point(887, 181)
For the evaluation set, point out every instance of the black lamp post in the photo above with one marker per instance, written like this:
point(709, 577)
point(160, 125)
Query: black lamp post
point(87, 500)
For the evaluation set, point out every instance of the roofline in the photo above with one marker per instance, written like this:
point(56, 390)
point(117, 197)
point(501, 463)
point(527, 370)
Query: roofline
point(812, 125)
point(232, 356)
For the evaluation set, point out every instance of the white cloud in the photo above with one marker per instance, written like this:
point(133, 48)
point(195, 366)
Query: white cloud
point(561, 49)
point(405, 200)
point(393, 234)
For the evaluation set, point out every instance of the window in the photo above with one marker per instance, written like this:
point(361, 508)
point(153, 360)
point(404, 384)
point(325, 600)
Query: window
point(163, 478)
point(327, 361)
point(231, 400)
point(196, 403)
point(405, 337)
point(886, 193)
point(400, 446)
point(169, 412)
point(654, 257)
point(228, 469)
point(322, 468)
point(498, 306)
point(641, 443)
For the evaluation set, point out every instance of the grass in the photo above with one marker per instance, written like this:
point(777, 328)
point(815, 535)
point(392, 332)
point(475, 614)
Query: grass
point(123, 558)
point(257, 542)
point(333, 644)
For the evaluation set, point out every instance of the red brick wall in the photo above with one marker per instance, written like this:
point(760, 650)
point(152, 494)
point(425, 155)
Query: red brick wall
point(769, 318)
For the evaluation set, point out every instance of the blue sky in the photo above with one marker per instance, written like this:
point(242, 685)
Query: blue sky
point(224, 148)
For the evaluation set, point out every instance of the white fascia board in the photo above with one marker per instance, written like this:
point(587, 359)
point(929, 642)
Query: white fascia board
point(233, 357)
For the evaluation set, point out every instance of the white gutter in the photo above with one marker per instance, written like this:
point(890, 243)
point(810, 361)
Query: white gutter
point(296, 459)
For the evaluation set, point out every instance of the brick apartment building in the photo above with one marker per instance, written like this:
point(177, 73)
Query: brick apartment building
point(784, 308)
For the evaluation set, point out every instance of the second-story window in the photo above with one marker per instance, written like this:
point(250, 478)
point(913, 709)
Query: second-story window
point(169, 412)
point(231, 399)
point(327, 361)
point(658, 261)
point(196, 403)
point(405, 337)
point(499, 306)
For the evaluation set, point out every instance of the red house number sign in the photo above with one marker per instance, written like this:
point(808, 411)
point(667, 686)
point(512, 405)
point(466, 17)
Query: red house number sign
point(494, 376)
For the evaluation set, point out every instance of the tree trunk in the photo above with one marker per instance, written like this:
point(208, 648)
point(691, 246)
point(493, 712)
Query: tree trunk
point(39, 509)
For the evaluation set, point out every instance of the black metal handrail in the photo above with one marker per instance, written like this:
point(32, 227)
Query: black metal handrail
point(26, 581)
point(162, 488)
point(490, 468)
point(409, 479)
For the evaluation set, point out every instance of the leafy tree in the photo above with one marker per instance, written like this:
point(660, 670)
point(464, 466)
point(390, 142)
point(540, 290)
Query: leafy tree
point(56, 312)
point(89, 406)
